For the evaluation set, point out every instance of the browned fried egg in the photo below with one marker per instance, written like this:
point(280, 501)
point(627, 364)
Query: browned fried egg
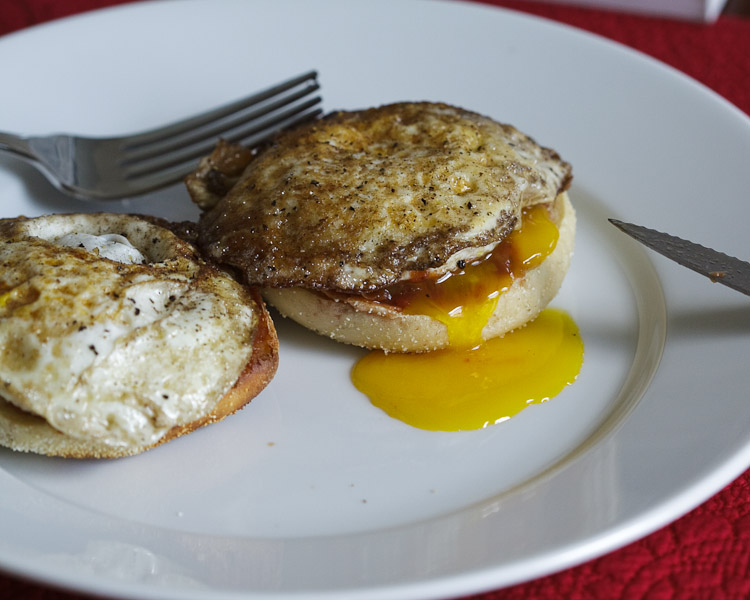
point(360, 200)
point(423, 231)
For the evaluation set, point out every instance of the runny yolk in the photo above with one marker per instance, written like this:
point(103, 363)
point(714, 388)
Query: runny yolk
point(458, 389)
point(475, 383)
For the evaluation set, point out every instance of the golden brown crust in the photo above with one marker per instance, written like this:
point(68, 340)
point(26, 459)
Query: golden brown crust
point(217, 173)
point(357, 200)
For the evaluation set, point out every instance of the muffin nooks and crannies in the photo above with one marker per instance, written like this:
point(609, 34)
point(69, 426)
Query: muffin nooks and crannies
point(328, 217)
point(115, 336)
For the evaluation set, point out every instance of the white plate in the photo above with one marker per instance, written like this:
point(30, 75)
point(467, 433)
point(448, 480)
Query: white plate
point(311, 490)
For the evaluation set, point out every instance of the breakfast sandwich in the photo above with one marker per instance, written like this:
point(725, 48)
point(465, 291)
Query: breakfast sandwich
point(379, 227)
point(116, 336)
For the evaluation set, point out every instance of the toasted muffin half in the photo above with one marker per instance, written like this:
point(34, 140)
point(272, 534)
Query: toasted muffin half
point(331, 215)
point(116, 336)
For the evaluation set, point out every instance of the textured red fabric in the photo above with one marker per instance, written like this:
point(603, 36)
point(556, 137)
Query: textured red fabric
point(703, 555)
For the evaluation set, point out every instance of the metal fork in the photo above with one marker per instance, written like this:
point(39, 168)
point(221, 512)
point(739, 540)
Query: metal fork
point(121, 167)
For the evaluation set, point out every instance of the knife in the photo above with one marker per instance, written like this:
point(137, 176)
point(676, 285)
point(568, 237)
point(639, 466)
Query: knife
point(717, 266)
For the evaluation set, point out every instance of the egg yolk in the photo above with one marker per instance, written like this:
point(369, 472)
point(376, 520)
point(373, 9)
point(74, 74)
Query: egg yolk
point(459, 389)
point(475, 383)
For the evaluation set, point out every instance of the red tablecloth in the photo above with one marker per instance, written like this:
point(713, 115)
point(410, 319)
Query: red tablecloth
point(705, 554)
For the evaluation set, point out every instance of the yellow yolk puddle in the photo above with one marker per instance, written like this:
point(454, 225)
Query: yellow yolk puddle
point(476, 383)
point(458, 389)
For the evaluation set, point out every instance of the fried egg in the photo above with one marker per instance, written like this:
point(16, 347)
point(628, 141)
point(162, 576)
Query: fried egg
point(423, 231)
point(116, 334)
point(360, 200)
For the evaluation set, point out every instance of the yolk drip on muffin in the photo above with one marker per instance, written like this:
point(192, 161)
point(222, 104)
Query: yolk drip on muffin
point(476, 383)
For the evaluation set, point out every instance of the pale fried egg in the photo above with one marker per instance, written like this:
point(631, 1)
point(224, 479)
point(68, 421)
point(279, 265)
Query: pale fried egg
point(113, 330)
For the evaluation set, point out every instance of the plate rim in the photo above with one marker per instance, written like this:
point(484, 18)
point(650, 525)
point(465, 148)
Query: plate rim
point(658, 517)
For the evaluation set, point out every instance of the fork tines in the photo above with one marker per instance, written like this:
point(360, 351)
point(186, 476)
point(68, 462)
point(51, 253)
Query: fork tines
point(171, 152)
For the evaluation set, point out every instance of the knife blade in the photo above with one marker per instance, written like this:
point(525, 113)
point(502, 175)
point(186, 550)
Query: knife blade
point(717, 266)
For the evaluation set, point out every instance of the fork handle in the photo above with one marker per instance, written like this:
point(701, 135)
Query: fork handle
point(16, 145)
